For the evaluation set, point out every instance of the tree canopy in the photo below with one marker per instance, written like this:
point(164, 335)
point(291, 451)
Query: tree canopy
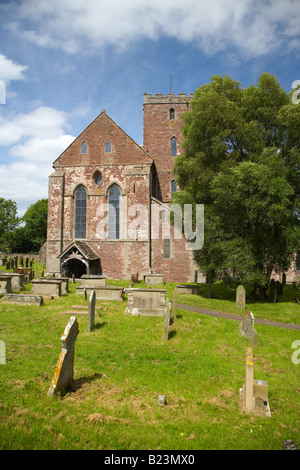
point(242, 161)
point(8, 221)
point(28, 237)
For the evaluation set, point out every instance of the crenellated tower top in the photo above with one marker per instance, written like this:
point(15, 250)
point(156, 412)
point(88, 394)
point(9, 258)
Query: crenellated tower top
point(159, 98)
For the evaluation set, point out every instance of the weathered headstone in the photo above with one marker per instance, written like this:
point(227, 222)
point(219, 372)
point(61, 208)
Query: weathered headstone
point(2, 352)
point(273, 291)
point(240, 301)
point(162, 400)
point(279, 287)
point(283, 279)
point(167, 325)
point(247, 328)
point(24, 299)
point(5, 284)
point(148, 302)
point(175, 303)
point(64, 371)
point(91, 313)
point(85, 293)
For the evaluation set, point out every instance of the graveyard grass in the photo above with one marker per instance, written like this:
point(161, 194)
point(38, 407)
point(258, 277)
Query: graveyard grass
point(124, 364)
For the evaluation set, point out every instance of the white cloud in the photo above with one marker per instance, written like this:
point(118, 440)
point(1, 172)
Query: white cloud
point(43, 122)
point(9, 70)
point(251, 26)
point(34, 141)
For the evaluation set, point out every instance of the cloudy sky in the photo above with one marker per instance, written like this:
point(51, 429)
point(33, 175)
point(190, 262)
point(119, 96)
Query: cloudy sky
point(63, 61)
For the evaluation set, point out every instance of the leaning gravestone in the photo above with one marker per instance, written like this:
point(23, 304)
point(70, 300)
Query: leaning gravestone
point(91, 314)
point(64, 371)
point(240, 301)
point(247, 328)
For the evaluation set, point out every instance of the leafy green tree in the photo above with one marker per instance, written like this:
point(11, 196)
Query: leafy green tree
point(8, 222)
point(30, 237)
point(242, 161)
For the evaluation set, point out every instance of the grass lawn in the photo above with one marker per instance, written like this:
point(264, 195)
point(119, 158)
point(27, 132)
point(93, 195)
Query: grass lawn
point(124, 364)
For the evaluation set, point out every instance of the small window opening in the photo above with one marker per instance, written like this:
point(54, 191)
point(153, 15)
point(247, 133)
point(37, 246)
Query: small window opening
point(173, 147)
point(98, 178)
point(83, 147)
point(107, 147)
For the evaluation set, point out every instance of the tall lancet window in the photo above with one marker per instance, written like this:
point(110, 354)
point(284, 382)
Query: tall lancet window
point(80, 212)
point(173, 147)
point(114, 201)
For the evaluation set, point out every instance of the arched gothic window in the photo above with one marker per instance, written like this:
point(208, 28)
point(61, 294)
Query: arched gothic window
point(84, 147)
point(173, 188)
point(80, 212)
point(114, 201)
point(173, 147)
point(107, 147)
point(172, 113)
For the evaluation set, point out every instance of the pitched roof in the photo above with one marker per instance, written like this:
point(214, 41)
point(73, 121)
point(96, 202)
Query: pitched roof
point(86, 251)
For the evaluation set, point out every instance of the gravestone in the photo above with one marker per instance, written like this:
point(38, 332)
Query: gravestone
point(2, 352)
point(273, 291)
point(24, 299)
point(64, 371)
point(167, 325)
point(254, 393)
point(84, 293)
point(148, 302)
point(162, 400)
point(88, 280)
point(152, 279)
point(47, 287)
point(5, 284)
point(188, 289)
point(247, 327)
point(240, 300)
point(103, 292)
point(283, 279)
point(175, 303)
point(279, 287)
point(91, 313)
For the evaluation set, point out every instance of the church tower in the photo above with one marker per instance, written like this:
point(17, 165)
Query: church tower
point(163, 137)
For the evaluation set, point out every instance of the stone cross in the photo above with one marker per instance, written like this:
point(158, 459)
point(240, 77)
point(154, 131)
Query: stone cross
point(247, 328)
point(64, 371)
point(240, 301)
point(91, 313)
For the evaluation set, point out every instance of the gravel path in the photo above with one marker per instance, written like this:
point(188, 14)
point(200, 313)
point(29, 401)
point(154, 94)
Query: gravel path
point(233, 316)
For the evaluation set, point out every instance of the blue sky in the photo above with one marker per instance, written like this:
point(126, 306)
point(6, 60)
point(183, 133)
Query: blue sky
point(63, 61)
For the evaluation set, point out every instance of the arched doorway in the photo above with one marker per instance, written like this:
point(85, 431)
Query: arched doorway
point(80, 259)
point(74, 266)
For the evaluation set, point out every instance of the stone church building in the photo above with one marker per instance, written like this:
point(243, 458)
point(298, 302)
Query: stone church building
point(109, 199)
